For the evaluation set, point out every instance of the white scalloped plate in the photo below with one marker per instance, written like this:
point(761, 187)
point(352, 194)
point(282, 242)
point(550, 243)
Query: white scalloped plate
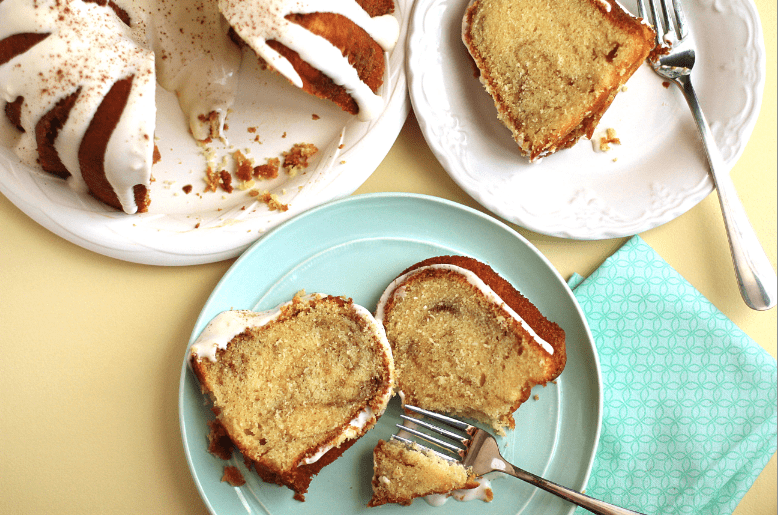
point(579, 193)
point(196, 228)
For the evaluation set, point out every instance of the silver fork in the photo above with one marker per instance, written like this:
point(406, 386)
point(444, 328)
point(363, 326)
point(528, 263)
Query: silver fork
point(479, 451)
point(755, 275)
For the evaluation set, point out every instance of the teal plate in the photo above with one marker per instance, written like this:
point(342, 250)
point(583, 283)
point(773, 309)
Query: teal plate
point(355, 247)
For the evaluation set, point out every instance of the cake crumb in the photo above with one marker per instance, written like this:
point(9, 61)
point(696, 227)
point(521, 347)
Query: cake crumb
point(233, 476)
point(225, 180)
point(297, 158)
point(315, 116)
point(244, 166)
point(608, 139)
point(187, 189)
point(273, 202)
point(211, 179)
point(536, 397)
point(269, 170)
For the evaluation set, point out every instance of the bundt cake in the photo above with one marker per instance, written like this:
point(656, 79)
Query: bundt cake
point(294, 387)
point(82, 90)
point(403, 472)
point(465, 342)
point(333, 49)
point(79, 80)
point(553, 68)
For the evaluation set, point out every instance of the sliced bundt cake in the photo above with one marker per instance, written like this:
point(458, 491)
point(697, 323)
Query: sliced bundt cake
point(296, 386)
point(83, 92)
point(553, 68)
point(465, 342)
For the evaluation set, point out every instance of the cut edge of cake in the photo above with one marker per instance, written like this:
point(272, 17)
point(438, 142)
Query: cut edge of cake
point(403, 472)
point(229, 327)
point(522, 315)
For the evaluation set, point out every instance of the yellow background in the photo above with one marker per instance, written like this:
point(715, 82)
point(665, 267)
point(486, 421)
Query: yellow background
point(92, 346)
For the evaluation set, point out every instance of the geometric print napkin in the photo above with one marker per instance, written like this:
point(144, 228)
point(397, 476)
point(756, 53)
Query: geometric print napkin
point(689, 413)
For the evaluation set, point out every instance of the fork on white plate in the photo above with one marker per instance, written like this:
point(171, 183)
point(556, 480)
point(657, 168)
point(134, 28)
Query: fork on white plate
point(755, 275)
point(477, 449)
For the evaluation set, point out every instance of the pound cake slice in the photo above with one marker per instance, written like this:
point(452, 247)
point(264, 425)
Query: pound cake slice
point(553, 68)
point(294, 387)
point(465, 342)
point(403, 472)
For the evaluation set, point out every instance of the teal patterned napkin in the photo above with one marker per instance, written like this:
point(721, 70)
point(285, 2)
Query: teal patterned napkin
point(689, 412)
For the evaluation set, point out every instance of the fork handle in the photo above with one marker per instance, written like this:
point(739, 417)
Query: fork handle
point(755, 275)
point(593, 505)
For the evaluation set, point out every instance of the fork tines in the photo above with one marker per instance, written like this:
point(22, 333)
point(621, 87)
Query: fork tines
point(668, 18)
point(463, 441)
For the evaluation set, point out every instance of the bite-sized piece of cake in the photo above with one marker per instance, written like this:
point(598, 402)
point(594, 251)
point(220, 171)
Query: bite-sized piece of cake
point(333, 49)
point(465, 342)
point(83, 92)
point(553, 68)
point(403, 472)
point(295, 386)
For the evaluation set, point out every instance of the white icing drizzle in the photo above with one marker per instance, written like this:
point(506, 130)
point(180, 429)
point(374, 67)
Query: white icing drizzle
point(88, 47)
point(196, 59)
point(396, 288)
point(227, 325)
point(259, 21)
point(483, 492)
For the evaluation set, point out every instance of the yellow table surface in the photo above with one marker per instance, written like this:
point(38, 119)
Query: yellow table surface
point(92, 346)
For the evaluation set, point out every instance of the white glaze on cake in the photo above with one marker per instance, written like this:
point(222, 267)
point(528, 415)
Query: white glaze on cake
point(88, 47)
point(196, 59)
point(259, 21)
point(182, 44)
point(396, 289)
point(227, 325)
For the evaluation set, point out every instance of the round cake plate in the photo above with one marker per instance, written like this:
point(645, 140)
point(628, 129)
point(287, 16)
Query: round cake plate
point(355, 247)
point(268, 117)
point(657, 173)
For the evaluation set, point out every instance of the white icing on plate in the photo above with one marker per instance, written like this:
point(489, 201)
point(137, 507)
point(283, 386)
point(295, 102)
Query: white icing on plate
point(579, 193)
point(196, 228)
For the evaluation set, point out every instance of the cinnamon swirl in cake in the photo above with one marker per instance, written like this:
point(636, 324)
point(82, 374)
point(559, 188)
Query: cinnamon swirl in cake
point(466, 342)
point(553, 68)
point(296, 386)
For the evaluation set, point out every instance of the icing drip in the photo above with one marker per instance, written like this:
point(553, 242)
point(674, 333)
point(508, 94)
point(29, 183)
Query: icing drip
point(395, 289)
point(88, 49)
point(196, 59)
point(257, 22)
point(483, 492)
